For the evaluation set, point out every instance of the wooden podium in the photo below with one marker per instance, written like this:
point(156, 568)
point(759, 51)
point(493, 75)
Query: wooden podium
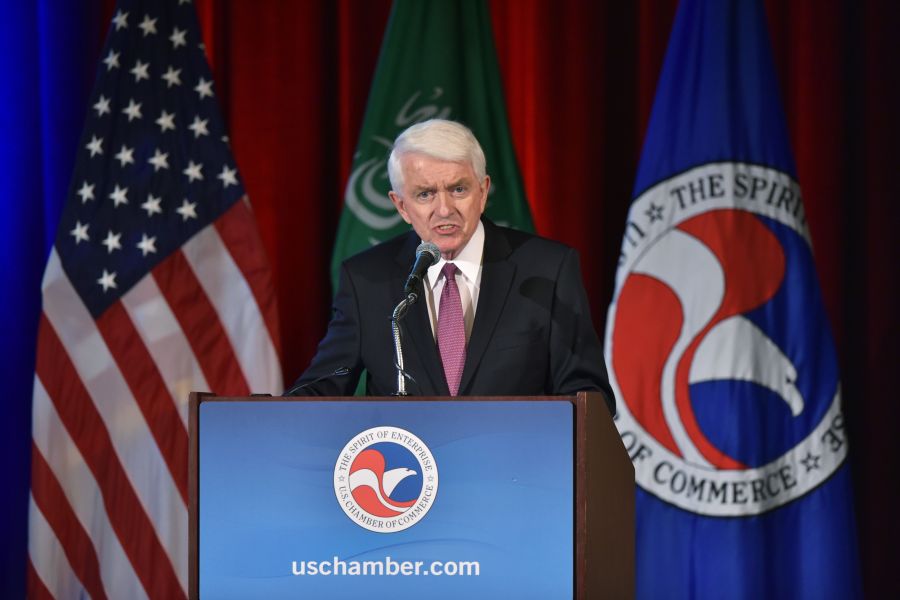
point(602, 476)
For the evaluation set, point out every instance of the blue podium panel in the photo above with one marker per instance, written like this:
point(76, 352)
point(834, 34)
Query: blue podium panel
point(350, 499)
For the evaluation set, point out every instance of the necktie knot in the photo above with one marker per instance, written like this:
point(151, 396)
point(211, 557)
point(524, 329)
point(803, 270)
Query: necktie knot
point(449, 270)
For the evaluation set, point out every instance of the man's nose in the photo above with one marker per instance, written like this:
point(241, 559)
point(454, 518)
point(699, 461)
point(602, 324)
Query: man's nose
point(444, 204)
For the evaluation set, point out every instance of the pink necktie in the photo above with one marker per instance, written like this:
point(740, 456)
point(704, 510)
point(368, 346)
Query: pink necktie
point(451, 330)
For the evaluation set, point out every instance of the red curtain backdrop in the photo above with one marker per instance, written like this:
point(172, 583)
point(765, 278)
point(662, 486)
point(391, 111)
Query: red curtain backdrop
point(579, 79)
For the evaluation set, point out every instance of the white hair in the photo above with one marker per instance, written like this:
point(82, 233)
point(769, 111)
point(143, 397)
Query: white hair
point(440, 139)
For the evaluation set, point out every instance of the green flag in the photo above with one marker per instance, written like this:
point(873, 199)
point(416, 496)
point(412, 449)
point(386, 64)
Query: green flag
point(437, 61)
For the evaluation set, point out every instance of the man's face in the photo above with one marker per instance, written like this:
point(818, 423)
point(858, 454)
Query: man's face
point(442, 200)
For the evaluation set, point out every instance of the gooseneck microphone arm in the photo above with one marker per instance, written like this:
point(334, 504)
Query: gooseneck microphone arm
point(426, 255)
point(399, 313)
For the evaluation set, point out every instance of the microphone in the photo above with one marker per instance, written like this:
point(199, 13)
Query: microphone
point(426, 255)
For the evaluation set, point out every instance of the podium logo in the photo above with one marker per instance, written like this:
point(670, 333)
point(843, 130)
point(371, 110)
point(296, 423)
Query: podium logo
point(385, 479)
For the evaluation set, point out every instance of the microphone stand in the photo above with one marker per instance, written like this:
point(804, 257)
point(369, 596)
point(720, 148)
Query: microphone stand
point(399, 313)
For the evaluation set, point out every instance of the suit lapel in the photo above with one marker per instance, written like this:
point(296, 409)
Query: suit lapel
point(416, 328)
point(496, 278)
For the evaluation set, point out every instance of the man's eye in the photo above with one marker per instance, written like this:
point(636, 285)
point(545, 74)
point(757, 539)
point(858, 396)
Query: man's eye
point(459, 190)
point(424, 195)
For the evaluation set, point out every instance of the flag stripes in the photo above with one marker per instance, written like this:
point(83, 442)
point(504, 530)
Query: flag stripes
point(198, 319)
point(83, 496)
point(146, 384)
point(164, 339)
point(141, 537)
point(237, 228)
point(128, 515)
point(230, 296)
point(57, 515)
point(56, 569)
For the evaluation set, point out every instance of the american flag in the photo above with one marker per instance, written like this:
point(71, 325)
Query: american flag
point(156, 285)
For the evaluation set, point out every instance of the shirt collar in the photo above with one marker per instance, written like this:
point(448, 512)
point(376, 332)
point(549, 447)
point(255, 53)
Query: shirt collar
point(468, 260)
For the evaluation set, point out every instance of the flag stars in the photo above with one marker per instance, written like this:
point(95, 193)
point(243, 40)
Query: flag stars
point(111, 61)
point(199, 127)
point(187, 210)
point(148, 25)
point(193, 171)
point(172, 77)
point(112, 241)
point(139, 70)
point(119, 196)
point(147, 245)
point(159, 160)
point(204, 88)
point(228, 176)
point(80, 232)
point(166, 121)
point(102, 106)
point(86, 192)
point(152, 205)
point(133, 110)
point(120, 20)
point(125, 156)
point(107, 280)
point(177, 37)
point(95, 146)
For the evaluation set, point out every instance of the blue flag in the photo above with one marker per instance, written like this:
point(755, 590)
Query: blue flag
point(718, 342)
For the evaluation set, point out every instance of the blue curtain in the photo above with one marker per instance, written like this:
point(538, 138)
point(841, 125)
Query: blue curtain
point(48, 56)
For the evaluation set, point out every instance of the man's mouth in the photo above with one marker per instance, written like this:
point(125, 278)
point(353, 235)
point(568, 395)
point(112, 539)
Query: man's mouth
point(448, 228)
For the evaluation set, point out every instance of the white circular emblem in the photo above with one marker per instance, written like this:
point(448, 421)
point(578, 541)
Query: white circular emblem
point(385, 479)
point(727, 378)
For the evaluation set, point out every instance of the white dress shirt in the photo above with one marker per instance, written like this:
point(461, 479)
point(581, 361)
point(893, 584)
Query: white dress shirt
point(468, 280)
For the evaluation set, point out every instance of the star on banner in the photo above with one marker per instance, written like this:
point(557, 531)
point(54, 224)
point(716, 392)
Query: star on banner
point(125, 155)
point(193, 171)
point(166, 121)
point(139, 70)
point(133, 110)
point(199, 127)
point(204, 88)
point(112, 241)
point(86, 192)
point(95, 146)
point(111, 61)
point(120, 20)
point(148, 25)
point(177, 37)
point(119, 196)
point(147, 244)
point(152, 205)
point(172, 77)
point(159, 160)
point(228, 176)
point(187, 210)
point(102, 106)
point(108, 280)
point(80, 232)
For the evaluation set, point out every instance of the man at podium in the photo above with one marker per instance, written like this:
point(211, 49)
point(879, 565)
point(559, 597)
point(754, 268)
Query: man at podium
point(505, 313)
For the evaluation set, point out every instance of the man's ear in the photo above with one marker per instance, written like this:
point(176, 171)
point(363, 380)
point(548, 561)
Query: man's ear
point(397, 200)
point(485, 189)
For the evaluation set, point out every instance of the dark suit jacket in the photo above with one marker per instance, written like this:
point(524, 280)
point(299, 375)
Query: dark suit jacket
point(532, 333)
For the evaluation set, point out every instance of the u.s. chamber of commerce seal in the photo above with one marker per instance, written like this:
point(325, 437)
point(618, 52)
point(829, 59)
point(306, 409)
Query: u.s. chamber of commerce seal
point(385, 479)
point(718, 344)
